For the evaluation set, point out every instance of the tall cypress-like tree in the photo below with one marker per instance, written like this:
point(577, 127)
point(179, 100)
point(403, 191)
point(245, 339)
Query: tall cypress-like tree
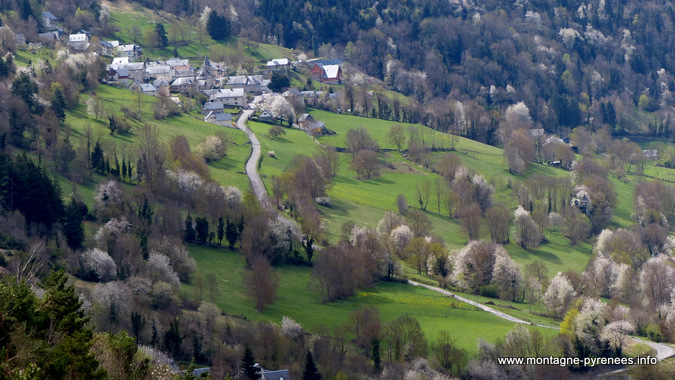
point(58, 102)
point(221, 230)
point(97, 161)
point(248, 365)
point(72, 225)
point(231, 233)
point(311, 372)
point(201, 229)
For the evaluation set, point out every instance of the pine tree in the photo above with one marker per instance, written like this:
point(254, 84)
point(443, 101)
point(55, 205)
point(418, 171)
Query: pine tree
point(311, 372)
point(218, 26)
point(124, 170)
point(162, 40)
point(248, 363)
point(58, 102)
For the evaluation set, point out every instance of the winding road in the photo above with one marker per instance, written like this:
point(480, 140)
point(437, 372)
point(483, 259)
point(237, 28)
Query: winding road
point(663, 351)
point(252, 163)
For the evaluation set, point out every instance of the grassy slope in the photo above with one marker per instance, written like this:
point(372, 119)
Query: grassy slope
point(124, 16)
point(297, 300)
point(227, 171)
point(365, 201)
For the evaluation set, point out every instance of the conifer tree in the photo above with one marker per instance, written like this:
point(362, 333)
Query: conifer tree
point(311, 372)
point(248, 367)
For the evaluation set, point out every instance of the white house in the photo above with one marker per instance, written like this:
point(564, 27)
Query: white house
point(234, 97)
point(132, 51)
point(78, 42)
point(278, 64)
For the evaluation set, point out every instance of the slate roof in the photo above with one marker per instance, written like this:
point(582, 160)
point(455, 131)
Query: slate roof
point(49, 15)
point(281, 374)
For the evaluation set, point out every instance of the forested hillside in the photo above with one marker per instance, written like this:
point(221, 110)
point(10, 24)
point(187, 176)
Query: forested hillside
point(601, 63)
point(472, 181)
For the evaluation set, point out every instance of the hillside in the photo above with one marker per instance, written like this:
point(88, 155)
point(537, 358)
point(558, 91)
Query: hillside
point(530, 170)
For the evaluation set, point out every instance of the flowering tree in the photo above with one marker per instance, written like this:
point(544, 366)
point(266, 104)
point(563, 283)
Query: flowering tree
point(559, 295)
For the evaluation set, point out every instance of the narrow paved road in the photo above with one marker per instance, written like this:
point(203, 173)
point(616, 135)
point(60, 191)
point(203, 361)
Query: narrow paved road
point(252, 163)
point(663, 351)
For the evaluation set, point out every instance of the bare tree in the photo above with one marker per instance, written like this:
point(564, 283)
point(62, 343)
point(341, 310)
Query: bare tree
point(152, 154)
point(498, 219)
point(328, 160)
point(397, 136)
point(359, 139)
point(402, 204)
point(470, 218)
point(419, 223)
point(261, 282)
point(423, 193)
point(365, 164)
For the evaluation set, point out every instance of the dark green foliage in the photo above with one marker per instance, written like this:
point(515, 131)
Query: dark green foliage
point(137, 323)
point(218, 26)
point(48, 333)
point(221, 230)
point(145, 212)
point(59, 104)
point(377, 366)
point(248, 368)
point(311, 372)
point(17, 126)
point(25, 88)
point(190, 234)
point(201, 229)
point(279, 83)
point(27, 188)
point(162, 40)
point(72, 224)
point(4, 70)
point(231, 233)
point(25, 10)
point(97, 161)
point(173, 339)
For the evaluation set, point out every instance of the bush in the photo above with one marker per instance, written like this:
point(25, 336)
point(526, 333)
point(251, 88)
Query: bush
point(490, 291)
point(324, 201)
point(654, 332)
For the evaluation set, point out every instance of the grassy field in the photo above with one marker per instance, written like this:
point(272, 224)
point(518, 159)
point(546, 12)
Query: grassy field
point(297, 299)
point(125, 16)
point(229, 170)
point(365, 201)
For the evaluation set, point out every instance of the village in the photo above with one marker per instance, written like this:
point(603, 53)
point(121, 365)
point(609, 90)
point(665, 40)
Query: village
point(225, 95)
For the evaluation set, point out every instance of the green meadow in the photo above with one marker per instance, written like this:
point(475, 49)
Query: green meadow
point(297, 299)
